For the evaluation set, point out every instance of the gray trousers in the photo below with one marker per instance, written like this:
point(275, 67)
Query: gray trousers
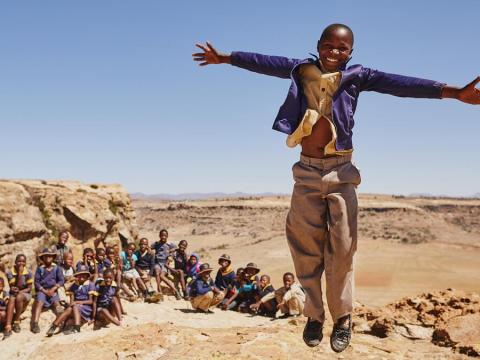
point(322, 232)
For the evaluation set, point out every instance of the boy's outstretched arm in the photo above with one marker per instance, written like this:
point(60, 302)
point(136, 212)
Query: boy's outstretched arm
point(278, 66)
point(468, 94)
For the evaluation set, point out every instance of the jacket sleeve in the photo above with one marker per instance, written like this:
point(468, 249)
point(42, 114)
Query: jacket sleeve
point(201, 288)
point(399, 85)
point(278, 66)
point(38, 278)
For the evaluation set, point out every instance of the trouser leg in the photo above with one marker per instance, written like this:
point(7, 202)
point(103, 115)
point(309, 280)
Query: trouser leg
point(306, 234)
point(202, 302)
point(340, 250)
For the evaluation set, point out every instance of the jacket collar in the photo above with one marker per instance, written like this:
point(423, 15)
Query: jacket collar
point(14, 271)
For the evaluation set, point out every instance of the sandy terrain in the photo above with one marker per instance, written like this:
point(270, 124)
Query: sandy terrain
point(406, 247)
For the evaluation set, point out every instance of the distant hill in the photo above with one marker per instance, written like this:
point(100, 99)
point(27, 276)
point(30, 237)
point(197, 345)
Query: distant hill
point(198, 196)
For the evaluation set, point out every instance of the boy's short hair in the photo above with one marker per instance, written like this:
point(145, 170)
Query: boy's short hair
point(332, 27)
point(163, 230)
point(288, 274)
point(19, 256)
point(100, 251)
point(107, 271)
point(88, 250)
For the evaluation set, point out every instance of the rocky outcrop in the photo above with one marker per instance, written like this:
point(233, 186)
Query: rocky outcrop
point(447, 318)
point(33, 212)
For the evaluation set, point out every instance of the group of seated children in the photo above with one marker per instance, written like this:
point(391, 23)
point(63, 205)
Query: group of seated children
point(90, 291)
point(245, 291)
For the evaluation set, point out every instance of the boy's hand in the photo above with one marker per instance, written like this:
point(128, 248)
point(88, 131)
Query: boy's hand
point(210, 55)
point(468, 94)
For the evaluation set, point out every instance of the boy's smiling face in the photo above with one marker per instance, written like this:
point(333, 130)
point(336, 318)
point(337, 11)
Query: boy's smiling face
point(334, 48)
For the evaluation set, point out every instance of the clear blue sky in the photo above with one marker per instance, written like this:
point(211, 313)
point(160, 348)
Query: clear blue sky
point(106, 91)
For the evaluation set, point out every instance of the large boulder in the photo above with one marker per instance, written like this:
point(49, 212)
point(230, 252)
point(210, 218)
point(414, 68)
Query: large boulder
point(33, 212)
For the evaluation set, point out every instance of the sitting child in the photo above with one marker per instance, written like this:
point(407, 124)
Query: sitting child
point(290, 297)
point(116, 268)
point(4, 298)
point(192, 269)
point(20, 280)
point(68, 271)
point(244, 294)
point(267, 308)
point(204, 294)
point(88, 260)
point(108, 303)
point(180, 259)
point(81, 309)
point(225, 279)
point(144, 265)
point(102, 261)
point(48, 279)
point(231, 299)
point(163, 250)
point(130, 275)
point(249, 287)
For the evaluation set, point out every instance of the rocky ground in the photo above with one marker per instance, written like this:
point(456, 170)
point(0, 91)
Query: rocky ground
point(410, 251)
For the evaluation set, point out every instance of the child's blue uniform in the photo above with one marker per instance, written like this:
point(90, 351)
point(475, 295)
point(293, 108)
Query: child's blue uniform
point(105, 294)
point(102, 266)
point(47, 279)
point(90, 265)
point(162, 252)
point(82, 293)
point(225, 279)
point(26, 280)
point(3, 300)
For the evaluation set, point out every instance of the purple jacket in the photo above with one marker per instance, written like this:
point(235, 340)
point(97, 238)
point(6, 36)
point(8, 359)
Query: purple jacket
point(354, 80)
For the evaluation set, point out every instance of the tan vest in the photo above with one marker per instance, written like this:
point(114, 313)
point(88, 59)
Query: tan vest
point(318, 89)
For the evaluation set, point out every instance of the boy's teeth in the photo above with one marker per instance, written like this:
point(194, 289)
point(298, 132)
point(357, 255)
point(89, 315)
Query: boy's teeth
point(333, 60)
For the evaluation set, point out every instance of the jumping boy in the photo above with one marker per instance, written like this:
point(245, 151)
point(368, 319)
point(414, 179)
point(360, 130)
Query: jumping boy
point(318, 114)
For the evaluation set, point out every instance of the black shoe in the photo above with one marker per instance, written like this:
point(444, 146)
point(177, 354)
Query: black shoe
point(16, 327)
point(312, 334)
point(284, 316)
point(51, 330)
point(73, 330)
point(341, 335)
point(34, 328)
point(7, 334)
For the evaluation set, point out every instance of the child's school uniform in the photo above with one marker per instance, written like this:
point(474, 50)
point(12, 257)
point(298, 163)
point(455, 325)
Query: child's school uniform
point(127, 270)
point(102, 266)
point(162, 252)
point(26, 280)
point(82, 293)
point(145, 264)
point(261, 293)
point(294, 299)
point(4, 296)
point(225, 279)
point(322, 222)
point(181, 259)
point(105, 294)
point(47, 279)
point(90, 265)
point(203, 296)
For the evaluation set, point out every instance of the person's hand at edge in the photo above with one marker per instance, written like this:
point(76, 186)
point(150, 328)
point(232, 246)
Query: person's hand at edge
point(210, 55)
point(468, 94)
